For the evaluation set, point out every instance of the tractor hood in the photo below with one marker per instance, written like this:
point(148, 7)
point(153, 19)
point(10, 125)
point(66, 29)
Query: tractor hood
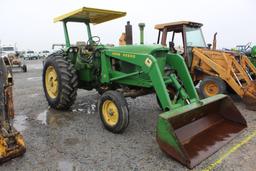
point(141, 49)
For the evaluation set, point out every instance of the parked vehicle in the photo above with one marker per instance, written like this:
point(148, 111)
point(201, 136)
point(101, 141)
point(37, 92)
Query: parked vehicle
point(58, 46)
point(14, 57)
point(30, 55)
point(7, 50)
point(44, 53)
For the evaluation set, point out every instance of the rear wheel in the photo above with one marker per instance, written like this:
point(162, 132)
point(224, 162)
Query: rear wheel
point(60, 82)
point(113, 111)
point(211, 86)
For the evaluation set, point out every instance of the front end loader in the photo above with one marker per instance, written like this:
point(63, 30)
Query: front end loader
point(189, 129)
point(215, 71)
point(11, 141)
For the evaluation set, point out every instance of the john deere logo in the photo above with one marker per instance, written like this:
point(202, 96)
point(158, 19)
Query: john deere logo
point(116, 54)
point(127, 55)
point(148, 62)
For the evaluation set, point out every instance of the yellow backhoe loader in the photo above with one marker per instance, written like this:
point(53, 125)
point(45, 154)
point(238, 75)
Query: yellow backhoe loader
point(213, 70)
point(11, 141)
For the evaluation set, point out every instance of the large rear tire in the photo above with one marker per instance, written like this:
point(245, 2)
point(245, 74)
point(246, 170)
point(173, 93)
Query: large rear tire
point(211, 86)
point(60, 82)
point(113, 111)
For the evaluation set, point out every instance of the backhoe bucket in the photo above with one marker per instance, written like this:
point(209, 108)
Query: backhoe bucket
point(194, 132)
point(11, 146)
point(249, 97)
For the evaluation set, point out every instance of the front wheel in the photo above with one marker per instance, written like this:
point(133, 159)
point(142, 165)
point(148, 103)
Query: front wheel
point(211, 86)
point(113, 111)
point(60, 82)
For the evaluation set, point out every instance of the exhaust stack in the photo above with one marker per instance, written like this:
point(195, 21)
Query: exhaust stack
point(141, 26)
point(128, 33)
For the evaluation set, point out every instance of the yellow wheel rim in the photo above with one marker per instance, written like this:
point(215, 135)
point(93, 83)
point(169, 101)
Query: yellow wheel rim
point(110, 112)
point(51, 82)
point(211, 89)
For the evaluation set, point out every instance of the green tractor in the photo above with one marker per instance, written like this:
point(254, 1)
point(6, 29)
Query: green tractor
point(249, 51)
point(253, 55)
point(189, 129)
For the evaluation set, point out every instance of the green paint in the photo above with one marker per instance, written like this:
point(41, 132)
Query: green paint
point(89, 32)
point(66, 34)
point(253, 56)
point(253, 52)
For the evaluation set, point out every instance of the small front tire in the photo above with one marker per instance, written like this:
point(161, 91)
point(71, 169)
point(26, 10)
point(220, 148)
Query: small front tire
point(113, 111)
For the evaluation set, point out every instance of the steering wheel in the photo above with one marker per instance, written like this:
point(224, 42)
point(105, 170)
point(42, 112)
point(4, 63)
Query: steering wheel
point(94, 40)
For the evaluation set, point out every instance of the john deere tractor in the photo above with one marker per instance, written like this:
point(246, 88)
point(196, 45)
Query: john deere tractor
point(189, 129)
point(248, 50)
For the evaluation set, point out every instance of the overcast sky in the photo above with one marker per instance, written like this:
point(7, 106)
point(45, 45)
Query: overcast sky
point(29, 23)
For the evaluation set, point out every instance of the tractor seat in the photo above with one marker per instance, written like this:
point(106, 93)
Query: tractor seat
point(80, 44)
point(172, 47)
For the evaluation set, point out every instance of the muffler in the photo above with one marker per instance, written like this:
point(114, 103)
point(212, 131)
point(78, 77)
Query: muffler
point(194, 132)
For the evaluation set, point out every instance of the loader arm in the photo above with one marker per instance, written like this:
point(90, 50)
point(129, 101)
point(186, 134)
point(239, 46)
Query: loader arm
point(181, 130)
point(149, 66)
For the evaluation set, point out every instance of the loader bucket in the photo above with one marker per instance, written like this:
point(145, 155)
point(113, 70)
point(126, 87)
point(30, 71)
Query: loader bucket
point(194, 132)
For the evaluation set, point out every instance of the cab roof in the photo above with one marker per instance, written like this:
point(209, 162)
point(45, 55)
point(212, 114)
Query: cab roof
point(177, 24)
point(91, 15)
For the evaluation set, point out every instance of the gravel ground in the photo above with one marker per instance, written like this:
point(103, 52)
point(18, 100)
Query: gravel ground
point(76, 140)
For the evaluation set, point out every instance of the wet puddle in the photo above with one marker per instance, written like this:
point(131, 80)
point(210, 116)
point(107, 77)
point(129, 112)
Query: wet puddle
point(53, 117)
point(36, 66)
point(86, 109)
point(20, 122)
point(33, 78)
point(33, 95)
point(42, 117)
point(71, 141)
point(66, 166)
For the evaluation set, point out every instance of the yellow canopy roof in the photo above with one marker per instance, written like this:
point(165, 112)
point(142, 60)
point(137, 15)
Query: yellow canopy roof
point(92, 15)
point(162, 26)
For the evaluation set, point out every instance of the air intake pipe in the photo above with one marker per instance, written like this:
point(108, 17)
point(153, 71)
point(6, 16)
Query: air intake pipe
point(141, 26)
